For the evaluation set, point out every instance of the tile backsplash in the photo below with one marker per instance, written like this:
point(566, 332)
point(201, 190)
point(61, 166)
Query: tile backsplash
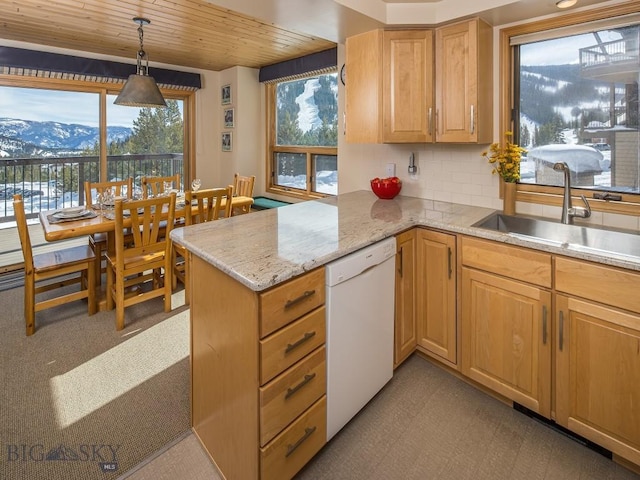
point(453, 173)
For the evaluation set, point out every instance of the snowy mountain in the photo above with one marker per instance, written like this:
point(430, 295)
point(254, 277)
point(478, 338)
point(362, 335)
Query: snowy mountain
point(28, 137)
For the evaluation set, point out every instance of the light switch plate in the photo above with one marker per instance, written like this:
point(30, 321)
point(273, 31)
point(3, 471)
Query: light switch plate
point(391, 170)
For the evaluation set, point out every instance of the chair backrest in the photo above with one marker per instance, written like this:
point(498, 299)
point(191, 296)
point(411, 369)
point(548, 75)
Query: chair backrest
point(23, 233)
point(120, 188)
point(243, 186)
point(208, 203)
point(155, 186)
point(151, 222)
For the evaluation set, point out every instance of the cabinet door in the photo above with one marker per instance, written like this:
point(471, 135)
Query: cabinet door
point(363, 104)
point(408, 86)
point(405, 324)
point(598, 374)
point(464, 104)
point(437, 294)
point(506, 341)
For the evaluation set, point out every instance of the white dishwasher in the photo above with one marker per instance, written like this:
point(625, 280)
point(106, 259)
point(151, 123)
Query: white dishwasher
point(360, 316)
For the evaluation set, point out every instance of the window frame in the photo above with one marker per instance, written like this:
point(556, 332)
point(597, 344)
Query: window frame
point(104, 89)
point(541, 194)
point(273, 148)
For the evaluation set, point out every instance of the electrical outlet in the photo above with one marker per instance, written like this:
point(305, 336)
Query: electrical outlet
point(391, 169)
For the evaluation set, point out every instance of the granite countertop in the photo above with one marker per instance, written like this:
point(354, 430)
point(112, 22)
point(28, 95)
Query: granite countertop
point(265, 248)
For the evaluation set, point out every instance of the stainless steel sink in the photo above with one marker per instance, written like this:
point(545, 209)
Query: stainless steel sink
point(587, 239)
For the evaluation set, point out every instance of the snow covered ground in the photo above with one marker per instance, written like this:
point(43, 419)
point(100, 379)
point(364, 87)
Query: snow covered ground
point(326, 181)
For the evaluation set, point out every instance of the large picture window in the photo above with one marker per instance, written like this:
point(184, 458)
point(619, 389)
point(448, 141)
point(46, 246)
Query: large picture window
point(573, 97)
point(303, 136)
point(580, 106)
point(52, 140)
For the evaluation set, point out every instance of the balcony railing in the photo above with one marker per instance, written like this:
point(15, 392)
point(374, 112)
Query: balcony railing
point(608, 53)
point(48, 183)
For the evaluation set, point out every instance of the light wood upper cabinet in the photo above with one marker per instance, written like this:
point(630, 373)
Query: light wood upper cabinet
point(436, 294)
point(464, 82)
point(407, 67)
point(405, 338)
point(389, 87)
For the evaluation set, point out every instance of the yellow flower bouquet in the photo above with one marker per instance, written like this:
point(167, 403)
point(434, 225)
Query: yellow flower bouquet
point(505, 160)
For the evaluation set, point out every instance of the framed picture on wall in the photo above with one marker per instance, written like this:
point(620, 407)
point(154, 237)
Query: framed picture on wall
point(228, 118)
point(225, 94)
point(227, 144)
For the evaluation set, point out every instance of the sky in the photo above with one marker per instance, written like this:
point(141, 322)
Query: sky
point(63, 107)
point(561, 51)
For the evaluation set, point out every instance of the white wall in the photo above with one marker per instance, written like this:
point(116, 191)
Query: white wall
point(213, 166)
point(208, 121)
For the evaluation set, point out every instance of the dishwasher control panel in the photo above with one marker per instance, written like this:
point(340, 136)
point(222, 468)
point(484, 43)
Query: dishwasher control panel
point(359, 261)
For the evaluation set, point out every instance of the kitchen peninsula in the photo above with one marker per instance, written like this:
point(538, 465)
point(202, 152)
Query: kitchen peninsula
point(258, 338)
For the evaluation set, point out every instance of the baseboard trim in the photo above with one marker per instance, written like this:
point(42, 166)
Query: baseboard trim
point(564, 431)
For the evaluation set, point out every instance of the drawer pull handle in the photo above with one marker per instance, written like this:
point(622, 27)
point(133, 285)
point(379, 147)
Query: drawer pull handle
point(306, 294)
point(307, 433)
point(292, 346)
point(291, 390)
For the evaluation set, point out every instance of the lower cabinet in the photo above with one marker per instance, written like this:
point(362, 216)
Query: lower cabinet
point(506, 338)
point(436, 294)
point(258, 372)
point(597, 388)
point(506, 323)
point(405, 335)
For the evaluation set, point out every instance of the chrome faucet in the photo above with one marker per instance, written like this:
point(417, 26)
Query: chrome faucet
point(569, 211)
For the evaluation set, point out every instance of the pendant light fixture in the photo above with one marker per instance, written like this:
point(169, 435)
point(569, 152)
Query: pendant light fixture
point(141, 90)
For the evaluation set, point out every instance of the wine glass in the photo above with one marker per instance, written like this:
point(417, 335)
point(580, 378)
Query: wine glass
point(195, 184)
point(108, 197)
point(99, 200)
point(166, 187)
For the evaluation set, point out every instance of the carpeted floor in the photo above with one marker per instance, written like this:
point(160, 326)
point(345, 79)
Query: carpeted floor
point(82, 401)
point(428, 425)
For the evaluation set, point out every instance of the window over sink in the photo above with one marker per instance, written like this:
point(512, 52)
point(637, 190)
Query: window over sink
point(573, 97)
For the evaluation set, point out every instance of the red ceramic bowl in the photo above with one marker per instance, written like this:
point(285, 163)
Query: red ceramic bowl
point(386, 188)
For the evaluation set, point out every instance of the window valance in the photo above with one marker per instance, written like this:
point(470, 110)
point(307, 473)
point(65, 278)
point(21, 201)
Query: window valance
point(23, 62)
point(315, 63)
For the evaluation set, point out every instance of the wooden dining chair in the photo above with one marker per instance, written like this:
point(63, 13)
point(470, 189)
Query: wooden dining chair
point(43, 272)
point(98, 241)
point(200, 207)
point(154, 186)
point(243, 187)
point(140, 269)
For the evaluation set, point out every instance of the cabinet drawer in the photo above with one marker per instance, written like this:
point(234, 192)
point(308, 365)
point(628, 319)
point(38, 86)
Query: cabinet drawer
point(291, 300)
point(599, 283)
point(288, 345)
point(290, 394)
point(514, 262)
point(296, 445)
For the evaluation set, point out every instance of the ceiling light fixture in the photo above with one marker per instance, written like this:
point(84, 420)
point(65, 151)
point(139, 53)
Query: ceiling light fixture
point(566, 3)
point(140, 90)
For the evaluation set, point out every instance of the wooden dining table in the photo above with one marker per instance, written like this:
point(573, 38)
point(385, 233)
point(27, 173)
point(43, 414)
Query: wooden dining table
point(104, 222)
point(101, 223)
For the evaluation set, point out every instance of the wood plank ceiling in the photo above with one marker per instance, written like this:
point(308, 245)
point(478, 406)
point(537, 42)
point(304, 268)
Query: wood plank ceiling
point(188, 33)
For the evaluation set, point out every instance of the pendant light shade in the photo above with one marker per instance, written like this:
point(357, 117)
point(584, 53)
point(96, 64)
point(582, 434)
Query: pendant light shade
point(140, 90)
